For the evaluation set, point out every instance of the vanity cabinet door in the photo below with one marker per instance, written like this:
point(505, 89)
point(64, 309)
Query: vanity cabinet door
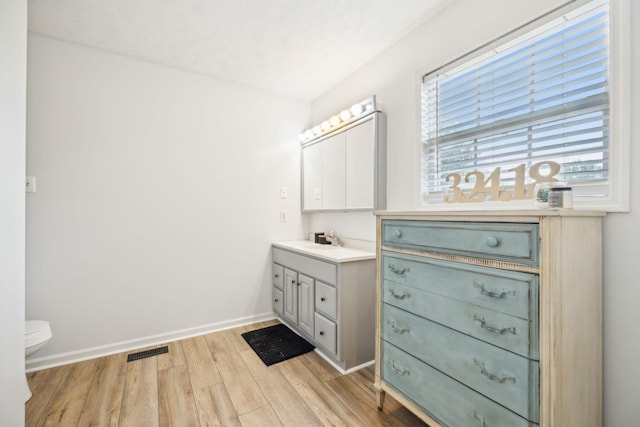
point(306, 302)
point(291, 295)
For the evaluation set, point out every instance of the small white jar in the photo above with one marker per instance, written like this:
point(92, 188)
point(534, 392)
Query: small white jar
point(560, 198)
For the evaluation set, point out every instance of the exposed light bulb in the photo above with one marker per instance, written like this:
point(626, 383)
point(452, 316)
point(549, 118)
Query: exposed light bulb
point(334, 121)
point(302, 137)
point(356, 109)
point(325, 125)
point(317, 130)
point(309, 134)
point(345, 115)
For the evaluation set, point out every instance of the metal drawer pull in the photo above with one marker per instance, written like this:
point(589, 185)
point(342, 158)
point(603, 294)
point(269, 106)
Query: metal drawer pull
point(479, 418)
point(400, 271)
point(492, 294)
point(483, 325)
point(492, 242)
point(396, 329)
point(398, 371)
point(399, 296)
point(491, 376)
point(323, 299)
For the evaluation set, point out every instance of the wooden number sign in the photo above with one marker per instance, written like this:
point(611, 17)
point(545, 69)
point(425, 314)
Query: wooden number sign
point(489, 188)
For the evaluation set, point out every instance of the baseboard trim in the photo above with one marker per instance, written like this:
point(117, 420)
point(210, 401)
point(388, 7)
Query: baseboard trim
point(51, 361)
point(339, 368)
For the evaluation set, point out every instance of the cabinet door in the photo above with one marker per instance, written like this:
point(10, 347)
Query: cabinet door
point(360, 161)
point(306, 302)
point(312, 176)
point(291, 295)
point(333, 172)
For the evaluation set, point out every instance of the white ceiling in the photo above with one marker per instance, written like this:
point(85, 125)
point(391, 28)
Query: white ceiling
point(295, 48)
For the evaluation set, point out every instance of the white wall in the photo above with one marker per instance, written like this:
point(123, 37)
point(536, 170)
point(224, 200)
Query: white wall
point(13, 63)
point(393, 77)
point(157, 199)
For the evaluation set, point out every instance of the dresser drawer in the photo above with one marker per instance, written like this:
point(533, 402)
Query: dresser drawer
point(445, 399)
point(508, 292)
point(277, 275)
point(504, 377)
point(326, 300)
point(499, 241)
point(325, 333)
point(509, 332)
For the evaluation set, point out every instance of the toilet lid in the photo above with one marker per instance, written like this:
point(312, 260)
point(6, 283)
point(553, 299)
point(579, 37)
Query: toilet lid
point(36, 332)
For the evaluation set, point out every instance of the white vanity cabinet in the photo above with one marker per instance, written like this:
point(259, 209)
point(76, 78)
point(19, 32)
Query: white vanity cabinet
point(491, 318)
point(328, 300)
point(346, 169)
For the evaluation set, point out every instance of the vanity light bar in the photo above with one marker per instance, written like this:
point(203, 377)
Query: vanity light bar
point(357, 111)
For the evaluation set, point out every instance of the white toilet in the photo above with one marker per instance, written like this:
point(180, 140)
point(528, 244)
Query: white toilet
point(37, 334)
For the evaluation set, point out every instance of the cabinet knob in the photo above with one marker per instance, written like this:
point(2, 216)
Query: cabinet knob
point(397, 234)
point(323, 299)
point(276, 300)
point(276, 275)
point(492, 242)
point(321, 332)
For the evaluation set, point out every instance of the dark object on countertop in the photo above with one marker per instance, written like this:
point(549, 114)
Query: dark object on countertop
point(320, 238)
point(277, 343)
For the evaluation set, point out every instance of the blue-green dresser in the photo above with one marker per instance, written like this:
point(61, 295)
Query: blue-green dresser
point(491, 318)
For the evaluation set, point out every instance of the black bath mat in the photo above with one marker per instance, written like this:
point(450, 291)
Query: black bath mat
point(276, 343)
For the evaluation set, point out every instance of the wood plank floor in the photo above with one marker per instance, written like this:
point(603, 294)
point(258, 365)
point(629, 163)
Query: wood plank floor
point(210, 380)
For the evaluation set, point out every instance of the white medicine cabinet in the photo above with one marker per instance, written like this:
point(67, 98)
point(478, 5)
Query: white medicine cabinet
point(346, 169)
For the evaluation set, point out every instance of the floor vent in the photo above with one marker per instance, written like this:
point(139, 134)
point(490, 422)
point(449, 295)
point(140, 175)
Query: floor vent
point(147, 353)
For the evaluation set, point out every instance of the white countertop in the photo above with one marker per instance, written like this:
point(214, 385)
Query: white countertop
point(326, 252)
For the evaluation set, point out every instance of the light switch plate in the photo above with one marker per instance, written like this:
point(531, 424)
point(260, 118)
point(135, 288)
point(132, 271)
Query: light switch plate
point(283, 216)
point(283, 192)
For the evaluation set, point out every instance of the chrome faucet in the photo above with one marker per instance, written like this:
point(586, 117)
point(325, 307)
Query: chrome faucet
point(333, 238)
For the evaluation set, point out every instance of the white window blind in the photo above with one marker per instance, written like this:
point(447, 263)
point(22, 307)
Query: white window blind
point(541, 97)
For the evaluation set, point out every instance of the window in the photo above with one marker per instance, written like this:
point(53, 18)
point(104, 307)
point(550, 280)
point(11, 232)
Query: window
point(542, 96)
